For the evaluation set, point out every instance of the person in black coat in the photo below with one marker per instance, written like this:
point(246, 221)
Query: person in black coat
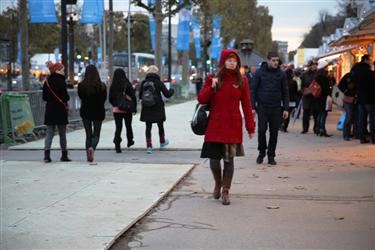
point(307, 99)
point(56, 113)
point(319, 103)
point(293, 96)
point(155, 113)
point(121, 84)
point(93, 94)
point(363, 78)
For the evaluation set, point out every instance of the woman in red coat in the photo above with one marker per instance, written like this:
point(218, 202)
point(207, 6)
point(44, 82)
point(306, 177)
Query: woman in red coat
point(223, 137)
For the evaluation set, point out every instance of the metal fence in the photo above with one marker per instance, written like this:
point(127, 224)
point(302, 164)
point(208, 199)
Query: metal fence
point(38, 109)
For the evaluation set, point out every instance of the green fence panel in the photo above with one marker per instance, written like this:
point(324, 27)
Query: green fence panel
point(16, 112)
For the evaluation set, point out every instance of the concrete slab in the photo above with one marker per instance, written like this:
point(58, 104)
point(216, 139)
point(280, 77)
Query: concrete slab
point(77, 205)
point(177, 130)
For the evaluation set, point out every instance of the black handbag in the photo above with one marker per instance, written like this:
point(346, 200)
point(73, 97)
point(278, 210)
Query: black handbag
point(199, 122)
point(126, 103)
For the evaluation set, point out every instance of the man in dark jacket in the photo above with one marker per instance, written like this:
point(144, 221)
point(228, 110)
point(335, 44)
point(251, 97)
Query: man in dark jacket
point(270, 90)
point(363, 78)
point(307, 99)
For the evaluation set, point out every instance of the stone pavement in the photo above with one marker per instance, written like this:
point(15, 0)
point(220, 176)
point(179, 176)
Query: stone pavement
point(80, 206)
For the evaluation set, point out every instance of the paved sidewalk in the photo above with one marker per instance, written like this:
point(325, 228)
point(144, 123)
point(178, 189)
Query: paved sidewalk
point(177, 129)
point(76, 205)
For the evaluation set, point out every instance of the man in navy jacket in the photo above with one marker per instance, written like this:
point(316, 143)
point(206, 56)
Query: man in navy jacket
point(270, 90)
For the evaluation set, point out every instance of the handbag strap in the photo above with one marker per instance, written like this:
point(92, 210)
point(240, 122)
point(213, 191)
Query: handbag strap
point(56, 96)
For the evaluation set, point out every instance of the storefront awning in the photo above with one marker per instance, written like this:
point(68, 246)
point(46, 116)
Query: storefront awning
point(336, 52)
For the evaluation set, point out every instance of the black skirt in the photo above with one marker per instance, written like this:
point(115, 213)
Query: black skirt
point(218, 150)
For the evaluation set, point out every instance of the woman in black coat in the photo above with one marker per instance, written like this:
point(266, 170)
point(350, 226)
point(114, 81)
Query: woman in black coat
point(319, 104)
point(155, 113)
point(121, 84)
point(56, 114)
point(293, 96)
point(93, 94)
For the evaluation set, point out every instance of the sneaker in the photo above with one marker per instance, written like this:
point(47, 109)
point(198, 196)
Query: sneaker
point(149, 150)
point(163, 145)
point(260, 159)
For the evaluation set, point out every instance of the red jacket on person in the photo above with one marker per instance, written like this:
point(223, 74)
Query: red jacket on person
point(225, 121)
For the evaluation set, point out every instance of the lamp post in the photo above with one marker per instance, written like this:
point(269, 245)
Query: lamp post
point(129, 46)
point(72, 20)
point(246, 47)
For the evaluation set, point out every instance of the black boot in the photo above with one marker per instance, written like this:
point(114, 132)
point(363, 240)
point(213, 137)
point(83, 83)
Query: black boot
point(118, 148)
point(64, 156)
point(47, 156)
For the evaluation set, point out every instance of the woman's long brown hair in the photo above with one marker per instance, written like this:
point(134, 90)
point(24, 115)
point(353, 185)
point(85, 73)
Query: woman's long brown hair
point(219, 76)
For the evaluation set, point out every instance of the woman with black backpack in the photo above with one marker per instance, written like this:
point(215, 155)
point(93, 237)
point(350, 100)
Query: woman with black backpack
point(153, 110)
point(122, 88)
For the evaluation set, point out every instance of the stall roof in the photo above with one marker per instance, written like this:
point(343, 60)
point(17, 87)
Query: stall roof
point(339, 51)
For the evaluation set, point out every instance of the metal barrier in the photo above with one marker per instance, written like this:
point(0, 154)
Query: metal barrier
point(38, 108)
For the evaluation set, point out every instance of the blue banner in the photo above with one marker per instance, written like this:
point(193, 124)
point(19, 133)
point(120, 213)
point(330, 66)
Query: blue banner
point(19, 48)
point(197, 36)
point(42, 11)
point(151, 2)
point(231, 44)
point(216, 40)
point(92, 12)
point(183, 31)
point(57, 54)
point(99, 51)
point(152, 31)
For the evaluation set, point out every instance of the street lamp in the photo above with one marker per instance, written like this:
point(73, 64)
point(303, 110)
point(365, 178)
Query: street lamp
point(246, 47)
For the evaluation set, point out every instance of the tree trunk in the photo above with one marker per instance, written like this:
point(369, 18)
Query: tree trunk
point(24, 45)
point(185, 74)
point(158, 38)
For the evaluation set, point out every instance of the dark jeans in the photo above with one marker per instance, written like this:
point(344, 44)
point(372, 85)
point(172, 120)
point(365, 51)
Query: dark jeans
point(366, 110)
point(50, 133)
point(268, 117)
point(161, 131)
point(285, 122)
point(306, 119)
point(92, 129)
point(321, 122)
point(128, 117)
point(346, 132)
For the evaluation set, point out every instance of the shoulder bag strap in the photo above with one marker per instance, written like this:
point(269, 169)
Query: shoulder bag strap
point(56, 96)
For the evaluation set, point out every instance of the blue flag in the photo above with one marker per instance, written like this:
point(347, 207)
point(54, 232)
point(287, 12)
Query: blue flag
point(216, 40)
point(19, 48)
point(42, 11)
point(152, 31)
point(183, 31)
point(57, 54)
point(92, 12)
point(197, 36)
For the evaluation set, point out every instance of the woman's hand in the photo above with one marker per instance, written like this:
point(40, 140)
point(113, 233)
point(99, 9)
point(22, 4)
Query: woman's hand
point(214, 83)
point(251, 136)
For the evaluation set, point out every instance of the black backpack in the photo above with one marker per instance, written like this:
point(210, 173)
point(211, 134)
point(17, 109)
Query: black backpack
point(149, 94)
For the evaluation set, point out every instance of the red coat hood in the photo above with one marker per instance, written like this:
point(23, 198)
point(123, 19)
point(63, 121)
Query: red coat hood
point(224, 56)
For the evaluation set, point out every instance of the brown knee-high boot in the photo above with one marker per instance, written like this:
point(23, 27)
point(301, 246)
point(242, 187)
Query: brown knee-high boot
point(216, 171)
point(227, 181)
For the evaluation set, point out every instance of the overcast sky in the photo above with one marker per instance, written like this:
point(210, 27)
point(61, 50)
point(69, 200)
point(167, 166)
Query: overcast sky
point(292, 18)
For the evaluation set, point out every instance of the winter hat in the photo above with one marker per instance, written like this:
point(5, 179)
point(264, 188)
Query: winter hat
point(53, 67)
point(322, 64)
point(228, 53)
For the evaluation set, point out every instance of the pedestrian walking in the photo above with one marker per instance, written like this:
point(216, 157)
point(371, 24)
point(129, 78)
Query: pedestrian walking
point(93, 93)
point(270, 91)
point(347, 86)
point(307, 98)
point(56, 112)
point(120, 88)
point(224, 91)
point(319, 103)
point(293, 97)
point(153, 110)
point(363, 78)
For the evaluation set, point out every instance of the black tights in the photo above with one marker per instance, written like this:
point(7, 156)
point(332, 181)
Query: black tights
point(228, 165)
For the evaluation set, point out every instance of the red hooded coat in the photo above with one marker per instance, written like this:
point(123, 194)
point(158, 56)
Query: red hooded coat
point(225, 121)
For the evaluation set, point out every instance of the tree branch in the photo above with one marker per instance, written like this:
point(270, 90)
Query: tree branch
point(177, 9)
point(144, 6)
